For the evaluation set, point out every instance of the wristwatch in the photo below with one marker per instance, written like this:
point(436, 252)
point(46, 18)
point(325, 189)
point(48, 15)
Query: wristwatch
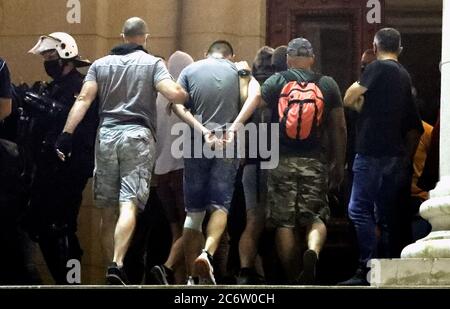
point(244, 73)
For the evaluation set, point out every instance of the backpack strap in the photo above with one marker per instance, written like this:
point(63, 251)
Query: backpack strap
point(290, 76)
point(316, 79)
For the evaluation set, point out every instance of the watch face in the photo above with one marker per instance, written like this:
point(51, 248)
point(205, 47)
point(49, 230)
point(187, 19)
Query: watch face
point(244, 73)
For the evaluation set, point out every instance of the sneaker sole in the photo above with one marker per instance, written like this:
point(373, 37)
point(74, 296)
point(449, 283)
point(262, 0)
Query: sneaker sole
point(204, 271)
point(158, 276)
point(114, 280)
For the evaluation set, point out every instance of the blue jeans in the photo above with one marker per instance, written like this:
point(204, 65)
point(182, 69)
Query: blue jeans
point(380, 186)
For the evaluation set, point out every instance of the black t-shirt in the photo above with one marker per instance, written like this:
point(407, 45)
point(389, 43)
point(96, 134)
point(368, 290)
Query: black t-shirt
point(389, 111)
point(270, 92)
point(5, 81)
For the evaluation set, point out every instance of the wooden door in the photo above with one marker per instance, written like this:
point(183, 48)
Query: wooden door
point(338, 30)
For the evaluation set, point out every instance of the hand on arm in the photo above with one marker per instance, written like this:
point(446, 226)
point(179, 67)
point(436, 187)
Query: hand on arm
point(172, 91)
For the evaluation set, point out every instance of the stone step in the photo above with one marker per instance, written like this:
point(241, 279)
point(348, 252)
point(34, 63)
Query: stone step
point(410, 272)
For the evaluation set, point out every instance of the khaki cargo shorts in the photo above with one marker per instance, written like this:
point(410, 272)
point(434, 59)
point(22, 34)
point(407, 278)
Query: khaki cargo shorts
point(124, 159)
point(297, 193)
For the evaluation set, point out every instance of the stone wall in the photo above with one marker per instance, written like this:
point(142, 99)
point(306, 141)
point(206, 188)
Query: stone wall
point(189, 25)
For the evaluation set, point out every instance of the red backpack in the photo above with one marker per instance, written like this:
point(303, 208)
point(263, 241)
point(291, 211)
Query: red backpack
point(300, 108)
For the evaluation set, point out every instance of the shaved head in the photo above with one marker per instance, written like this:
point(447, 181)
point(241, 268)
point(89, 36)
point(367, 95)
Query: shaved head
point(134, 26)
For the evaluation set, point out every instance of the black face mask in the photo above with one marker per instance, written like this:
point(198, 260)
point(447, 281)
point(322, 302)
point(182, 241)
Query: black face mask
point(53, 68)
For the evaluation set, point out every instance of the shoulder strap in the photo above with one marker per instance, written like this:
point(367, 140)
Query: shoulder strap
point(290, 76)
point(316, 78)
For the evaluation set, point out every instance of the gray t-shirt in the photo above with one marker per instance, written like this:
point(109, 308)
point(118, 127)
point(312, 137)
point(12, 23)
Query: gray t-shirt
point(213, 87)
point(126, 88)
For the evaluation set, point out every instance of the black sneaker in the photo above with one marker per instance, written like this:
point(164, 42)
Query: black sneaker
point(116, 275)
point(308, 275)
point(249, 276)
point(161, 275)
point(359, 279)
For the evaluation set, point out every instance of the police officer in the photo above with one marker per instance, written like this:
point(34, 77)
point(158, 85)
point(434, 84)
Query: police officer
point(57, 186)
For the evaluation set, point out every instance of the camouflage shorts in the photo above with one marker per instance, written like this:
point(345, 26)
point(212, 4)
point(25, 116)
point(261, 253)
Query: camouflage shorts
point(124, 158)
point(297, 192)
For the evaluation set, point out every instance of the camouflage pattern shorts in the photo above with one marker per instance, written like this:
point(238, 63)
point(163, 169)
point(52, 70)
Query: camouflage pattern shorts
point(297, 193)
point(124, 158)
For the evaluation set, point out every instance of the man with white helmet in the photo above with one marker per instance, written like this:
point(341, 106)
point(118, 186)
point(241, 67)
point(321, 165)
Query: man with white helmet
point(56, 190)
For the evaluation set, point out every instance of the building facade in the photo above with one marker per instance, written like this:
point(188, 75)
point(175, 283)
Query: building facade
point(340, 31)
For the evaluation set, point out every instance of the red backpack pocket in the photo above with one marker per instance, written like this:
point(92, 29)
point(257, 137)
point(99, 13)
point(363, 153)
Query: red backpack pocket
point(300, 110)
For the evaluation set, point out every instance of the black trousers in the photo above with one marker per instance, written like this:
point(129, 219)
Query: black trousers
point(56, 197)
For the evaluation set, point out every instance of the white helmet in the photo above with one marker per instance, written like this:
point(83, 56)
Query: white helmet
point(64, 44)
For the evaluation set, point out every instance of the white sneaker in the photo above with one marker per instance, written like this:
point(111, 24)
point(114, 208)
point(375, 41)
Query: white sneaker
point(204, 269)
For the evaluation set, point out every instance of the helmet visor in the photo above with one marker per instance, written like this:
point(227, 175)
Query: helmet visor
point(44, 43)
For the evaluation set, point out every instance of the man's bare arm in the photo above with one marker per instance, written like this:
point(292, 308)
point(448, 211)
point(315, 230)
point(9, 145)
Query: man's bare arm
point(251, 104)
point(80, 107)
point(337, 133)
point(353, 96)
point(5, 108)
point(184, 114)
point(172, 91)
point(176, 94)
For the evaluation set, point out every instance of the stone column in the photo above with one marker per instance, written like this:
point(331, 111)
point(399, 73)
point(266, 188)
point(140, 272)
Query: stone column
point(436, 210)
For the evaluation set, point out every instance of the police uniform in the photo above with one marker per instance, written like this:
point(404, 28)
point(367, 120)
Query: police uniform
point(56, 191)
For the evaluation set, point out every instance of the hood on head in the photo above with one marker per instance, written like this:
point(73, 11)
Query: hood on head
point(177, 62)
